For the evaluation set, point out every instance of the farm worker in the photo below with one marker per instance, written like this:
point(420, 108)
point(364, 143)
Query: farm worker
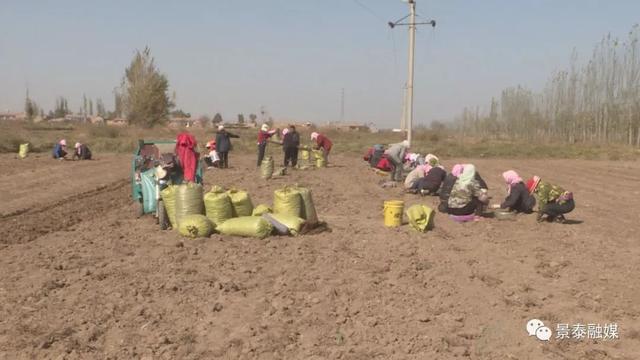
point(263, 136)
point(435, 175)
point(553, 201)
point(322, 142)
point(223, 145)
point(60, 150)
point(212, 159)
point(290, 144)
point(395, 154)
point(467, 197)
point(447, 185)
point(81, 152)
point(414, 177)
point(378, 153)
point(186, 151)
point(518, 198)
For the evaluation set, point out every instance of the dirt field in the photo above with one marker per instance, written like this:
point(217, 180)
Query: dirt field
point(82, 278)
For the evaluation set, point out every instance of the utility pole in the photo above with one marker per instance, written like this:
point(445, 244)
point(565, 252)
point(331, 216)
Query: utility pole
point(403, 119)
point(408, 105)
point(412, 45)
point(342, 105)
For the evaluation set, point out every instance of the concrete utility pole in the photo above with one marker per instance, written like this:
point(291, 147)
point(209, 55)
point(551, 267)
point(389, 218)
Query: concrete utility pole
point(412, 45)
point(408, 105)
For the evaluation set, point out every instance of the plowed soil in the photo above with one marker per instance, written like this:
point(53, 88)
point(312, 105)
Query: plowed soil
point(83, 278)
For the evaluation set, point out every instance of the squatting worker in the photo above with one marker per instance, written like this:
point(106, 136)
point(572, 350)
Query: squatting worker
point(263, 136)
point(395, 154)
point(553, 201)
point(290, 144)
point(60, 150)
point(223, 145)
point(212, 159)
point(81, 152)
point(322, 142)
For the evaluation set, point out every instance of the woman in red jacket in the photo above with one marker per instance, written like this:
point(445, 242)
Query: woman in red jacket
point(263, 136)
point(322, 142)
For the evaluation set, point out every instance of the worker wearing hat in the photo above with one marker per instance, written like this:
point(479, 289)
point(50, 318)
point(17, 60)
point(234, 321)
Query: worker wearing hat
point(322, 142)
point(263, 136)
point(81, 152)
point(553, 201)
point(60, 150)
point(212, 158)
point(223, 145)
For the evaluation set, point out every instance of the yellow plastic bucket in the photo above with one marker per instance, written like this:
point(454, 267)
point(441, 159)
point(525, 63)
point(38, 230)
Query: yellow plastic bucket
point(393, 210)
point(320, 163)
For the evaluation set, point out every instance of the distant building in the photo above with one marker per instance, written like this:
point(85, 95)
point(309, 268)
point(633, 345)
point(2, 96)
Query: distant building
point(77, 118)
point(13, 116)
point(96, 120)
point(349, 126)
point(117, 122)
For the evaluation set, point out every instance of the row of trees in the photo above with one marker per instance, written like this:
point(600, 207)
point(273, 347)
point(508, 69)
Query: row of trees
point(142, 98)
point(32, 109)
point(595, 102)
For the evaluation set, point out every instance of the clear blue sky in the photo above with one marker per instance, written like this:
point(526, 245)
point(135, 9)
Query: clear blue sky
point(233, 56)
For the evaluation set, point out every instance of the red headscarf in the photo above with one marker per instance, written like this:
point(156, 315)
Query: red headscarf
point(185, 149)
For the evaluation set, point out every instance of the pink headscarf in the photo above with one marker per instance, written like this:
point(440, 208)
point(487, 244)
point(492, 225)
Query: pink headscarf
point(511, 178)
point(426, 168)
point(314, 135)
point(285, 131)
point(457, 170)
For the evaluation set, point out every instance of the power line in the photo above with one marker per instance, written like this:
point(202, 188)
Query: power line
point(367, 9)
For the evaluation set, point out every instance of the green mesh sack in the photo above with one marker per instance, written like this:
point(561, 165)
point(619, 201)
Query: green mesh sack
point(304, 153)
point(168, 196)
point(217, 205)
point(188, 200)
point(247, 226)
point(287, 201)
point(261, 209)
point(148, 183)
point(266, 168)
point(195, 226)
point(241, 201)
point(308, 208)
point(419, 217)
point(293, 223)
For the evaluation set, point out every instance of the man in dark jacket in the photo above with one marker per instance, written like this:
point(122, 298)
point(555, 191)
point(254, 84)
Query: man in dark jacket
point(290, 144)
point(223, 146)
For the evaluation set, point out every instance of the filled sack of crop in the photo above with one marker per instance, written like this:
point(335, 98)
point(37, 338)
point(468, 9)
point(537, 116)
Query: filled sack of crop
point(23, 150)
point(217, 205)
point(287, 201)
point(293, 224)
point(247, 226)
point(241, 201)
point(261, 209)
point(168, 196)
point(304, 152)
point(195, 226)
point(419, 217)
point(188, 200)
point(266, 168)
point(148, 181)
point(308, 208)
